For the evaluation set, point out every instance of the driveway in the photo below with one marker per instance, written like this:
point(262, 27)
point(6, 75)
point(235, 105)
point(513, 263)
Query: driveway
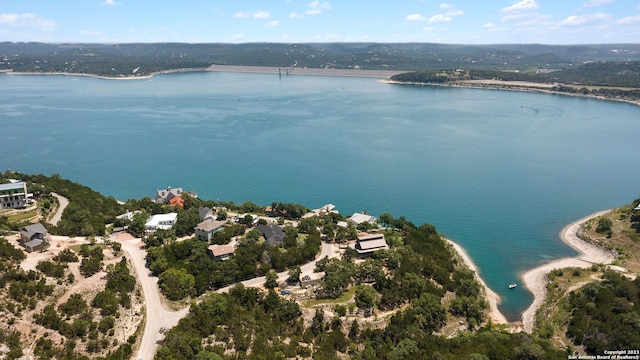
point(63, 204)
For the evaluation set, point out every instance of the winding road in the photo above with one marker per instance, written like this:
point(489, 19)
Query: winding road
point(157, 317)
point(63, 204)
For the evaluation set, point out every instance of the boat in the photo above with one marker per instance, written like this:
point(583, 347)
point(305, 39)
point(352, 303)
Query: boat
point(512, 285)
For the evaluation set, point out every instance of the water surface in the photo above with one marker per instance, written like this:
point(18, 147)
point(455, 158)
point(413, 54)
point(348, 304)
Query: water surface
point(499, 172)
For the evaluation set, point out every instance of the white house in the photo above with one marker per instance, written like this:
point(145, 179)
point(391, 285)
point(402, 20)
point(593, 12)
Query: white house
point(367, 244)
point(359, 218)
point(13, 195)
point(161, 221)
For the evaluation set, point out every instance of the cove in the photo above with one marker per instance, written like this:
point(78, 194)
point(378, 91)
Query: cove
point(498, 172)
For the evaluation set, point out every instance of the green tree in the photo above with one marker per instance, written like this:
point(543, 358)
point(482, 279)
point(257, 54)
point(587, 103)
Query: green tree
point(366, 297)
point(271, 280)
point(176, 284)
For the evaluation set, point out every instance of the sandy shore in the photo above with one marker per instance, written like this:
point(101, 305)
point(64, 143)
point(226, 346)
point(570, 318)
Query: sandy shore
point(492, 298)
point(536, 279)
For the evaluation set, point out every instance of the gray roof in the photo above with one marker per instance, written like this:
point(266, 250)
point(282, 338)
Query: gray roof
point(33, 243)
point(370, 243)
point(209, 225)
point(273, 234)
point(204, 212)
point(30, 230)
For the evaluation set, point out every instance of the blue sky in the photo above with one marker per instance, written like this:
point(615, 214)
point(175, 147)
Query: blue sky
point(289, 21)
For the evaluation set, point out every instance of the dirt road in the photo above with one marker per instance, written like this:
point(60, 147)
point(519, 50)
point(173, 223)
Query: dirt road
point(63, 204)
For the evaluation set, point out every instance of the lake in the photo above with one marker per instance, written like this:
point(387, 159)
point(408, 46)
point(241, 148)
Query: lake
point(498, 172)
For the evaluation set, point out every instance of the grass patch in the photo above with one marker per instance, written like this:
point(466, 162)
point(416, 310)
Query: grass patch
point(346, 296)
point(22, 216)
point(77, 248)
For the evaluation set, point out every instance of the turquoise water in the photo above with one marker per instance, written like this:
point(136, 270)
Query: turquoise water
point(499, 172)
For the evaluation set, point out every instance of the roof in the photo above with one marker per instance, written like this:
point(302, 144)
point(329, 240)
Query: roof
point(359, 218)
point(209, 225)
point(12, 186)
point(161, 219)
point(33, 229)
point(273, 234)
point(204, 212)
point(128, 215)
point(177, 201)
point(370, 243)
point(221, 250)
point(33, 243)
point(164, 193)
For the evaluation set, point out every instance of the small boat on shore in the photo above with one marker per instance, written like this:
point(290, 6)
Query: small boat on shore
point(512, 285)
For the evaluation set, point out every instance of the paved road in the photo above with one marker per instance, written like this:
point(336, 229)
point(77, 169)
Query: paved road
point(156, 316)
point(63, 204)
point(326, 250)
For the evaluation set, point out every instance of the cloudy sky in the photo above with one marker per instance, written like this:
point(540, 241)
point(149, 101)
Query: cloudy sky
point(239, 21)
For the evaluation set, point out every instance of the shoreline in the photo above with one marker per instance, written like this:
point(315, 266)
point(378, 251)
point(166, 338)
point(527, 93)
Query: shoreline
point(536, 279)
point(516, 86)
point(492, 297)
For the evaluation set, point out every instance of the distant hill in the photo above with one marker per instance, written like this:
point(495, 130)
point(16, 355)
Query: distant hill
point(143, 59)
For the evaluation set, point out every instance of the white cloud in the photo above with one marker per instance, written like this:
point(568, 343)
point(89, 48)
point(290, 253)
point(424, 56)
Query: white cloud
point(579, 20)
point(255, 14)
point(110, 2)
point(273, 23)
point(630, 19)
point(319, 5)
point(439, 18)
point(454, 13)
point(27, 20)
point(415, 17)
point(445, 6)
point(522, 5)
point(261, 15)
point(295, 15)
point(313, 12)
point(488, 25)
point(242, 15)
point(596, 3)
point(237, 36)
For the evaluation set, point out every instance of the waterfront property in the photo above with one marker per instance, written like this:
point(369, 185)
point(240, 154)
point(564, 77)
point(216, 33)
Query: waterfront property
point(206, 213)
point(221, 252)
point(161, 221)
point(367, 244)
point(273, 234)
point(205, 229)
point(13, 195)
point(359, 218)
point(164, 196)
point(33, 237)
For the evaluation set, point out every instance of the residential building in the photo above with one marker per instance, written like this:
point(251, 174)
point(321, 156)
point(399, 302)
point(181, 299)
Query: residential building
point(367, 244)
point(359, 218)
point(205, 230)
point(206, 213)
point(161, 221)
point(273, 234)
point(13, 195)
point(33, 237)
point(164, 196)
point(177, 201)
point(221, 252)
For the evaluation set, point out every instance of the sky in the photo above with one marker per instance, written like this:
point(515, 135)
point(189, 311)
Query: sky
point(299, 21)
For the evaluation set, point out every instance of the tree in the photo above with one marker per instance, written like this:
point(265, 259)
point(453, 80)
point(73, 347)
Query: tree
point(386, 219)
point(176, 284)
point(271, 280)
point(604, 224)
point(366, 297)
point(294, 275)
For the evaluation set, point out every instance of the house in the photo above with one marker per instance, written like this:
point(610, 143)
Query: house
point(206, 229)
point(273, 234)
point(221, 252)
point(321, 212)
point(367, 244)
point(128, 215)
point(161, 221)
point(33, 236)
point(177, 201)
point(206, 213)
point(13, 195)
point(164, 196)
point(359, 218)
